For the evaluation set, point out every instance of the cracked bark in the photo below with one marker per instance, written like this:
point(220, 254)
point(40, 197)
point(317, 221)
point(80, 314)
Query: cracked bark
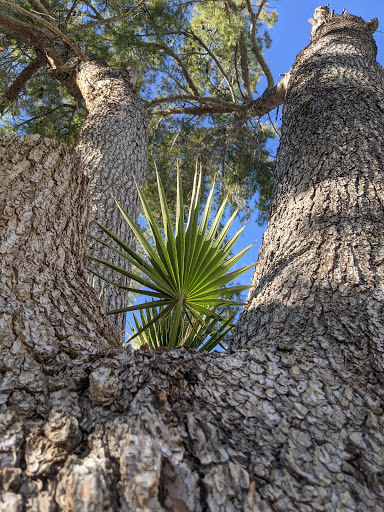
point(293, 422)
point(112, 144)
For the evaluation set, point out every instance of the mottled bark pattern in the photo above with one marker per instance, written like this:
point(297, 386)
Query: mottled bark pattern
point(294, 423)
point(112, 146)
point(319, 279)
point(51, 320)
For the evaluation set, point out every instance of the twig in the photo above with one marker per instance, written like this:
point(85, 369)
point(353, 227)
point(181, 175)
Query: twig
point(112, 19)
point(177, 59)
point(215, 59)
point(64, 105)
point(273, 124)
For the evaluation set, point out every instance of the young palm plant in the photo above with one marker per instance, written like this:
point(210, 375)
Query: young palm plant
point(185, 272)
point(205, 333)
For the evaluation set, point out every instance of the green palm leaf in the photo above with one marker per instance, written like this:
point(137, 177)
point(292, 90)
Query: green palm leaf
point(185, 272)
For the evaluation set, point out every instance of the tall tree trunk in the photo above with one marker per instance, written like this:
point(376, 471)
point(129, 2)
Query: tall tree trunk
point(318, 282)
point(292, 423)
point(112, 146)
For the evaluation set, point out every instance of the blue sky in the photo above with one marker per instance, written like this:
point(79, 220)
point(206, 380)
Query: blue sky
point(289, 36)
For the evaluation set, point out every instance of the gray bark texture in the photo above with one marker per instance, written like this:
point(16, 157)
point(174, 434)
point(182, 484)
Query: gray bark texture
point(290, 421)
point(112, 146)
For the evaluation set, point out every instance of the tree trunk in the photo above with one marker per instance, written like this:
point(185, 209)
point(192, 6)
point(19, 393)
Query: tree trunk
point(292, 423)
point(318, 282)
point(112, 146)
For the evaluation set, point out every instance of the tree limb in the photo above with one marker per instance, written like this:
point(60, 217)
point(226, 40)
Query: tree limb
point(255, 48)
point(14, 90)
point(214, 58)
point(25, 31)
point(177, 59)
point(201, 99)
point(206, 109)
point(112, 19)
point(245, 67)
point(46, 24)
point(270, 99)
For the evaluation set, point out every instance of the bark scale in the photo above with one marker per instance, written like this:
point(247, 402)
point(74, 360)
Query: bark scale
point(293, 426)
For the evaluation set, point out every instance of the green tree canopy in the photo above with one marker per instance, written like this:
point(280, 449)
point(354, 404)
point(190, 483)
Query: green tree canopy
point(199, 64)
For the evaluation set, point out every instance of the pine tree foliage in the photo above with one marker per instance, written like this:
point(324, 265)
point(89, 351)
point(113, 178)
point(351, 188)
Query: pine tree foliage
point(200, 64)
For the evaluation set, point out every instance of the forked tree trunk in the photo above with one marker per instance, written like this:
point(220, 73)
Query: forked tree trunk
point(295, 421)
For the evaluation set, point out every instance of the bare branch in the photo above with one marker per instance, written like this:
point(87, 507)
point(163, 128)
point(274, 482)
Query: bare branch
point(200, 99)
point(177, 59)
point(39, 7)
point(255, 48)
point(14, 90)
point(245, 67)
point(215, 59)
point(46, 24)
point(112, 19)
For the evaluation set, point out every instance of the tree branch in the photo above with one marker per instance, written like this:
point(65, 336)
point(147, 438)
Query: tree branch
point(26, 32)
point(177, 59)
point(46, 24)
point(214, 58)
point(200, 99)
point(95, 11)
point(63, 105)
point(255, 48)
point(270, 99)
point(39, 7)
point(14, 90)
point(206, 109)
point(245, 67)
point(179, 84)
point(112, 19)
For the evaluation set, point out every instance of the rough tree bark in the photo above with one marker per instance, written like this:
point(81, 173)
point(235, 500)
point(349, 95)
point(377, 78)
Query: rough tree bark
point(112, 144)
point(293, 422)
